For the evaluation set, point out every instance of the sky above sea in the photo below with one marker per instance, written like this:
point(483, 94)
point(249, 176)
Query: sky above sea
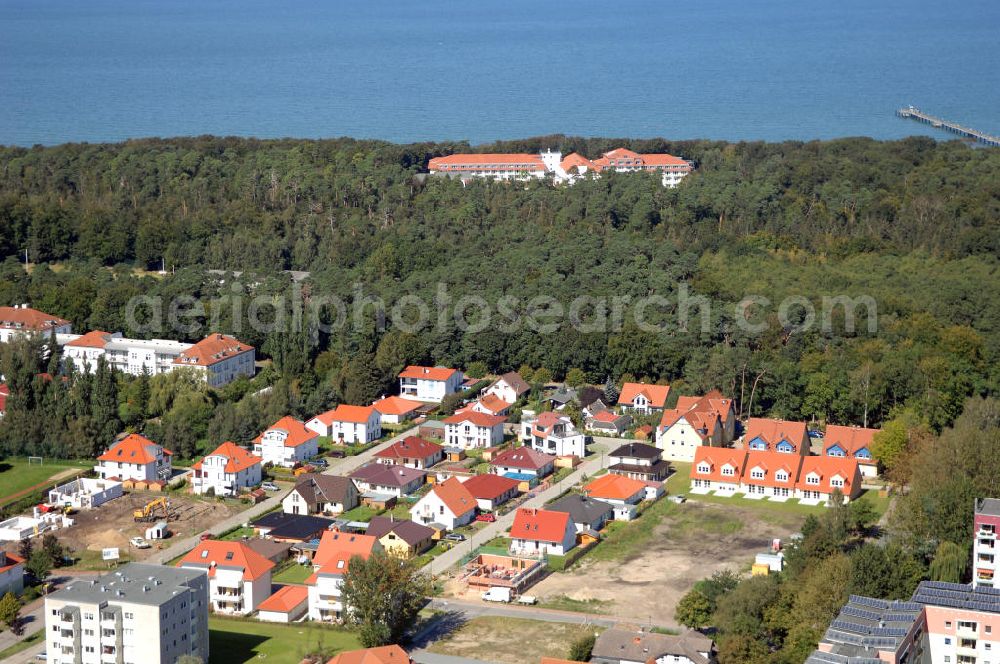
point(481, 70)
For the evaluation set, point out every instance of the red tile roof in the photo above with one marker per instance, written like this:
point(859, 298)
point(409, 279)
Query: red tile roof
point(770, 463)
point(614, 487)
point(523, 457)
point(774, 431)
point(540, 525)
point(212, 349)
point(237, 458)
point(93, 339)
point(575, 160)
point(226, 554)
point(483, 161)
point(133, 448)
point(23, 318)
point(704, 413)
point(656, 394)
point(288, 598)
point(8, 560)
point(396, 406)
point(382, 655)
point(346, 413)
point(827, 468)
point(336, 550)
point(296, 430)
point(606, 416)
point(493, 403)
point(455, 496)
point(411, 447)
point(489, 486)
point(851, 439)
point(427, 373)
point(717, 457)
point(477, 418)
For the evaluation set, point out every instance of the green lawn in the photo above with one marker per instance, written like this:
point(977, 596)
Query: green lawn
point(239, 641)
point(360, 513)
point(294, 573)
point(17, 475)
point(429, 555)
point(239, 533)
point(564, 603)
point(32, 639)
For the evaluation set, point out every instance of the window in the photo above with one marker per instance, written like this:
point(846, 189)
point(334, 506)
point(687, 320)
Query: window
point(781, 476)
point(947, 624)
point(836, 481)
point(988, 628)
point(757, 474)
point(812, 479)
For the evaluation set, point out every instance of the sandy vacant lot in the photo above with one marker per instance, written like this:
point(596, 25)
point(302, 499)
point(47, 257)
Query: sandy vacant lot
point(510, 640)
point(640, 577)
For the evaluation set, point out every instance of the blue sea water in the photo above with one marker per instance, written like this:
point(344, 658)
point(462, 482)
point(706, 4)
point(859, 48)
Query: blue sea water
point(100, 70)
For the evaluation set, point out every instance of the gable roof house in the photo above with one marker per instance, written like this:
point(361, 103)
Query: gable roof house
point(348, 424)
point(471, 429)
point(696, 421)
point(388, 479)
point(820, 476)
point(413, 452)
point(22, 319)
point(287, 605)
point(381, 655)
point(294, 528)
point(639, 462)
point(607, 422)
point(765, 434)
point(622, 493)
point(226, 471)
point(431, 384)
point(491, 404)
point(523, 461)
point(718, 469)
point(239, 578)
point(771, 474)
point(135, 457)
point(316, 493)
point(586, 513)
point(448, 503)
point(509, 387)
point(856, 442)
point(400, 537)
point(643, 397)
point(286, 443)
point(539, 532)
point(552, 433)
point(332, 561)
point(220, 358)
point(491, 491)
point(396, 410)
point(624, 646)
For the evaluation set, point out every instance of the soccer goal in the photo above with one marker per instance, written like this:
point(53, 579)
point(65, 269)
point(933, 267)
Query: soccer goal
point(36, 460)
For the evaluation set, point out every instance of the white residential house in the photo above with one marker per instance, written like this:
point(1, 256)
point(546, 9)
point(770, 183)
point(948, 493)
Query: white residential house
point(538, 532)
point(448, 503)
point(220, 358)
point(552, 433)
point(316, 493)
point(332, 562)
point(137, 356)
point(430, 384)
point(22, 319)
point(348, 424)
point(643, 397)
point(509, 387)
point(239, 578)
point(286, 443)
point(226, 471)
point(471, 429)
point(135, 458)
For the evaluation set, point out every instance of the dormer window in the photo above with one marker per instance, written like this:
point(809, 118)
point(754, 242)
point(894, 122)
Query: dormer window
point(728, 471)
point(837, 481)
point(812, 479)
point(781, 476)
point(757, 474)
point(704, 468)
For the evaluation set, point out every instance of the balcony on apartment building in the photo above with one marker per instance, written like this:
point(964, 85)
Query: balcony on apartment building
point(967, 631)
point(227, 592)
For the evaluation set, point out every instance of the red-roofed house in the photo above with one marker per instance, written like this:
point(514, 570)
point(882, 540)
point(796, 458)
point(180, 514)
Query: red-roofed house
point(220, 357)
point(226, 470)
point(448, 503)
point(552, 433)
point(333, 559)
point(820, 476)
point(491, 404)
point(608, 422)
point(856, 442)
point(643, 397)
point(474, 430)
point(15, 321)
point(239, 578)
point(770, 474)
point(135, 457)
point(510, 387)
point(523, 461)
point(622, 493)
point(86, 350)
point(429, 383)
point(718, 469)
point(497, 166)
point(286, 443)
point(672, 169)
point(491, 491)
point(396, 410)
point(11, 573)
point(380, 655)
point(348, 424)
point(285, 606)
point(765, 434)
point(537, 532)
point(696, 421)
point(412, 452)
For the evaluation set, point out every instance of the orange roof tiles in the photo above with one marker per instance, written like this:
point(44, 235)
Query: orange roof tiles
point(237, 458)
point(411, 447)
point(382, 655)
point(93, 339)
point(214, 554)
point(336, 550)
point(8, 560)
point(717, 458)
point(288, 598)
point(475, 161)
point(656, 394)
point(493, 403)
point(427, 373)
point(770, 463)
point(614, 487)
point(489, 486)
point(477, 418)
point(29, 319)
point(540, 525)
point(826, 468)
point(212, 349)
point(396, 406)
point(774, 431)
point(850, 439)
point(662, 160)
point(574, 160)
point(296, 430)
point(455, 496)
point(133, 448)
point(346, 413)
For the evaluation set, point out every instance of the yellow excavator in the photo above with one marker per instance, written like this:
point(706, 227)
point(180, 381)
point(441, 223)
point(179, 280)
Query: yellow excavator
point(149, 511)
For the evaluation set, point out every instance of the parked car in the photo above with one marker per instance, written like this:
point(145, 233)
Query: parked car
point(487, 517)
point(206, 536)
point(814, 434)
point(455, 537)
point(496, 594)
point(42, 656)
point(319, 462)
point(527, 599)
point(139, 543)
point(269, 486)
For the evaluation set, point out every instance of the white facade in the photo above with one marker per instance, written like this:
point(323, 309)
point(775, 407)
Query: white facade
point(22, 319)
point(529, 547)
point(140, 460)
point(431, 509)
point(681, 440)
point(212, 473)
point(11, 574)
point(134, 356)
point(85, 493)
point(468, 435)
point(349, 431)
point(502, 389)
point(325, 602)
point(430, 384)
point(230, 593)
point(275, 448)
point(137, 615)
point(554, 435)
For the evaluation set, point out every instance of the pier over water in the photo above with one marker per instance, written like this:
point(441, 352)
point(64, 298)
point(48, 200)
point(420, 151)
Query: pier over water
point(913, 113)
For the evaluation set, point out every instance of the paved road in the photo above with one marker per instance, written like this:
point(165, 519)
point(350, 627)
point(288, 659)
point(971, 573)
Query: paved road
point(499, 527)
point(473, 609)
point(33, 615)
point(424, 657)
point(337, 467)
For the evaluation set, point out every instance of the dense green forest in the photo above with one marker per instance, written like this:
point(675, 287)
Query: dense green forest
point(913, 224)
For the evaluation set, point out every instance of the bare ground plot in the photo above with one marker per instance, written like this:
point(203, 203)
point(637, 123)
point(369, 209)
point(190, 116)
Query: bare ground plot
point(112, 525)
point(642, 575)
point(510, 640)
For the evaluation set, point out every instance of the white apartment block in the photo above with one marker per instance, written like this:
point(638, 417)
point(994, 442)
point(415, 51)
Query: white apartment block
point(239, 578)
point(135, 457)
point(430, 384)
point(22, 319)
point(138, 614)
point(226, 471)
point(472, 429)
point(552, 433)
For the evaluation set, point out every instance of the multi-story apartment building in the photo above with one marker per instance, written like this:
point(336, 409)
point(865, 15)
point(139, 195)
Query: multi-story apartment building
point(22, 319)
point(226, 471)
point(471, 429)
point(286, 443)
point(429, 383)
point(332, 561)
point(135, 457)
point(137, 356)
point(874, 630)
point(696, 421)
point(220, 358)
point(138, 614)
point(348, 424)
point(239, 578)
point(986, 522)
